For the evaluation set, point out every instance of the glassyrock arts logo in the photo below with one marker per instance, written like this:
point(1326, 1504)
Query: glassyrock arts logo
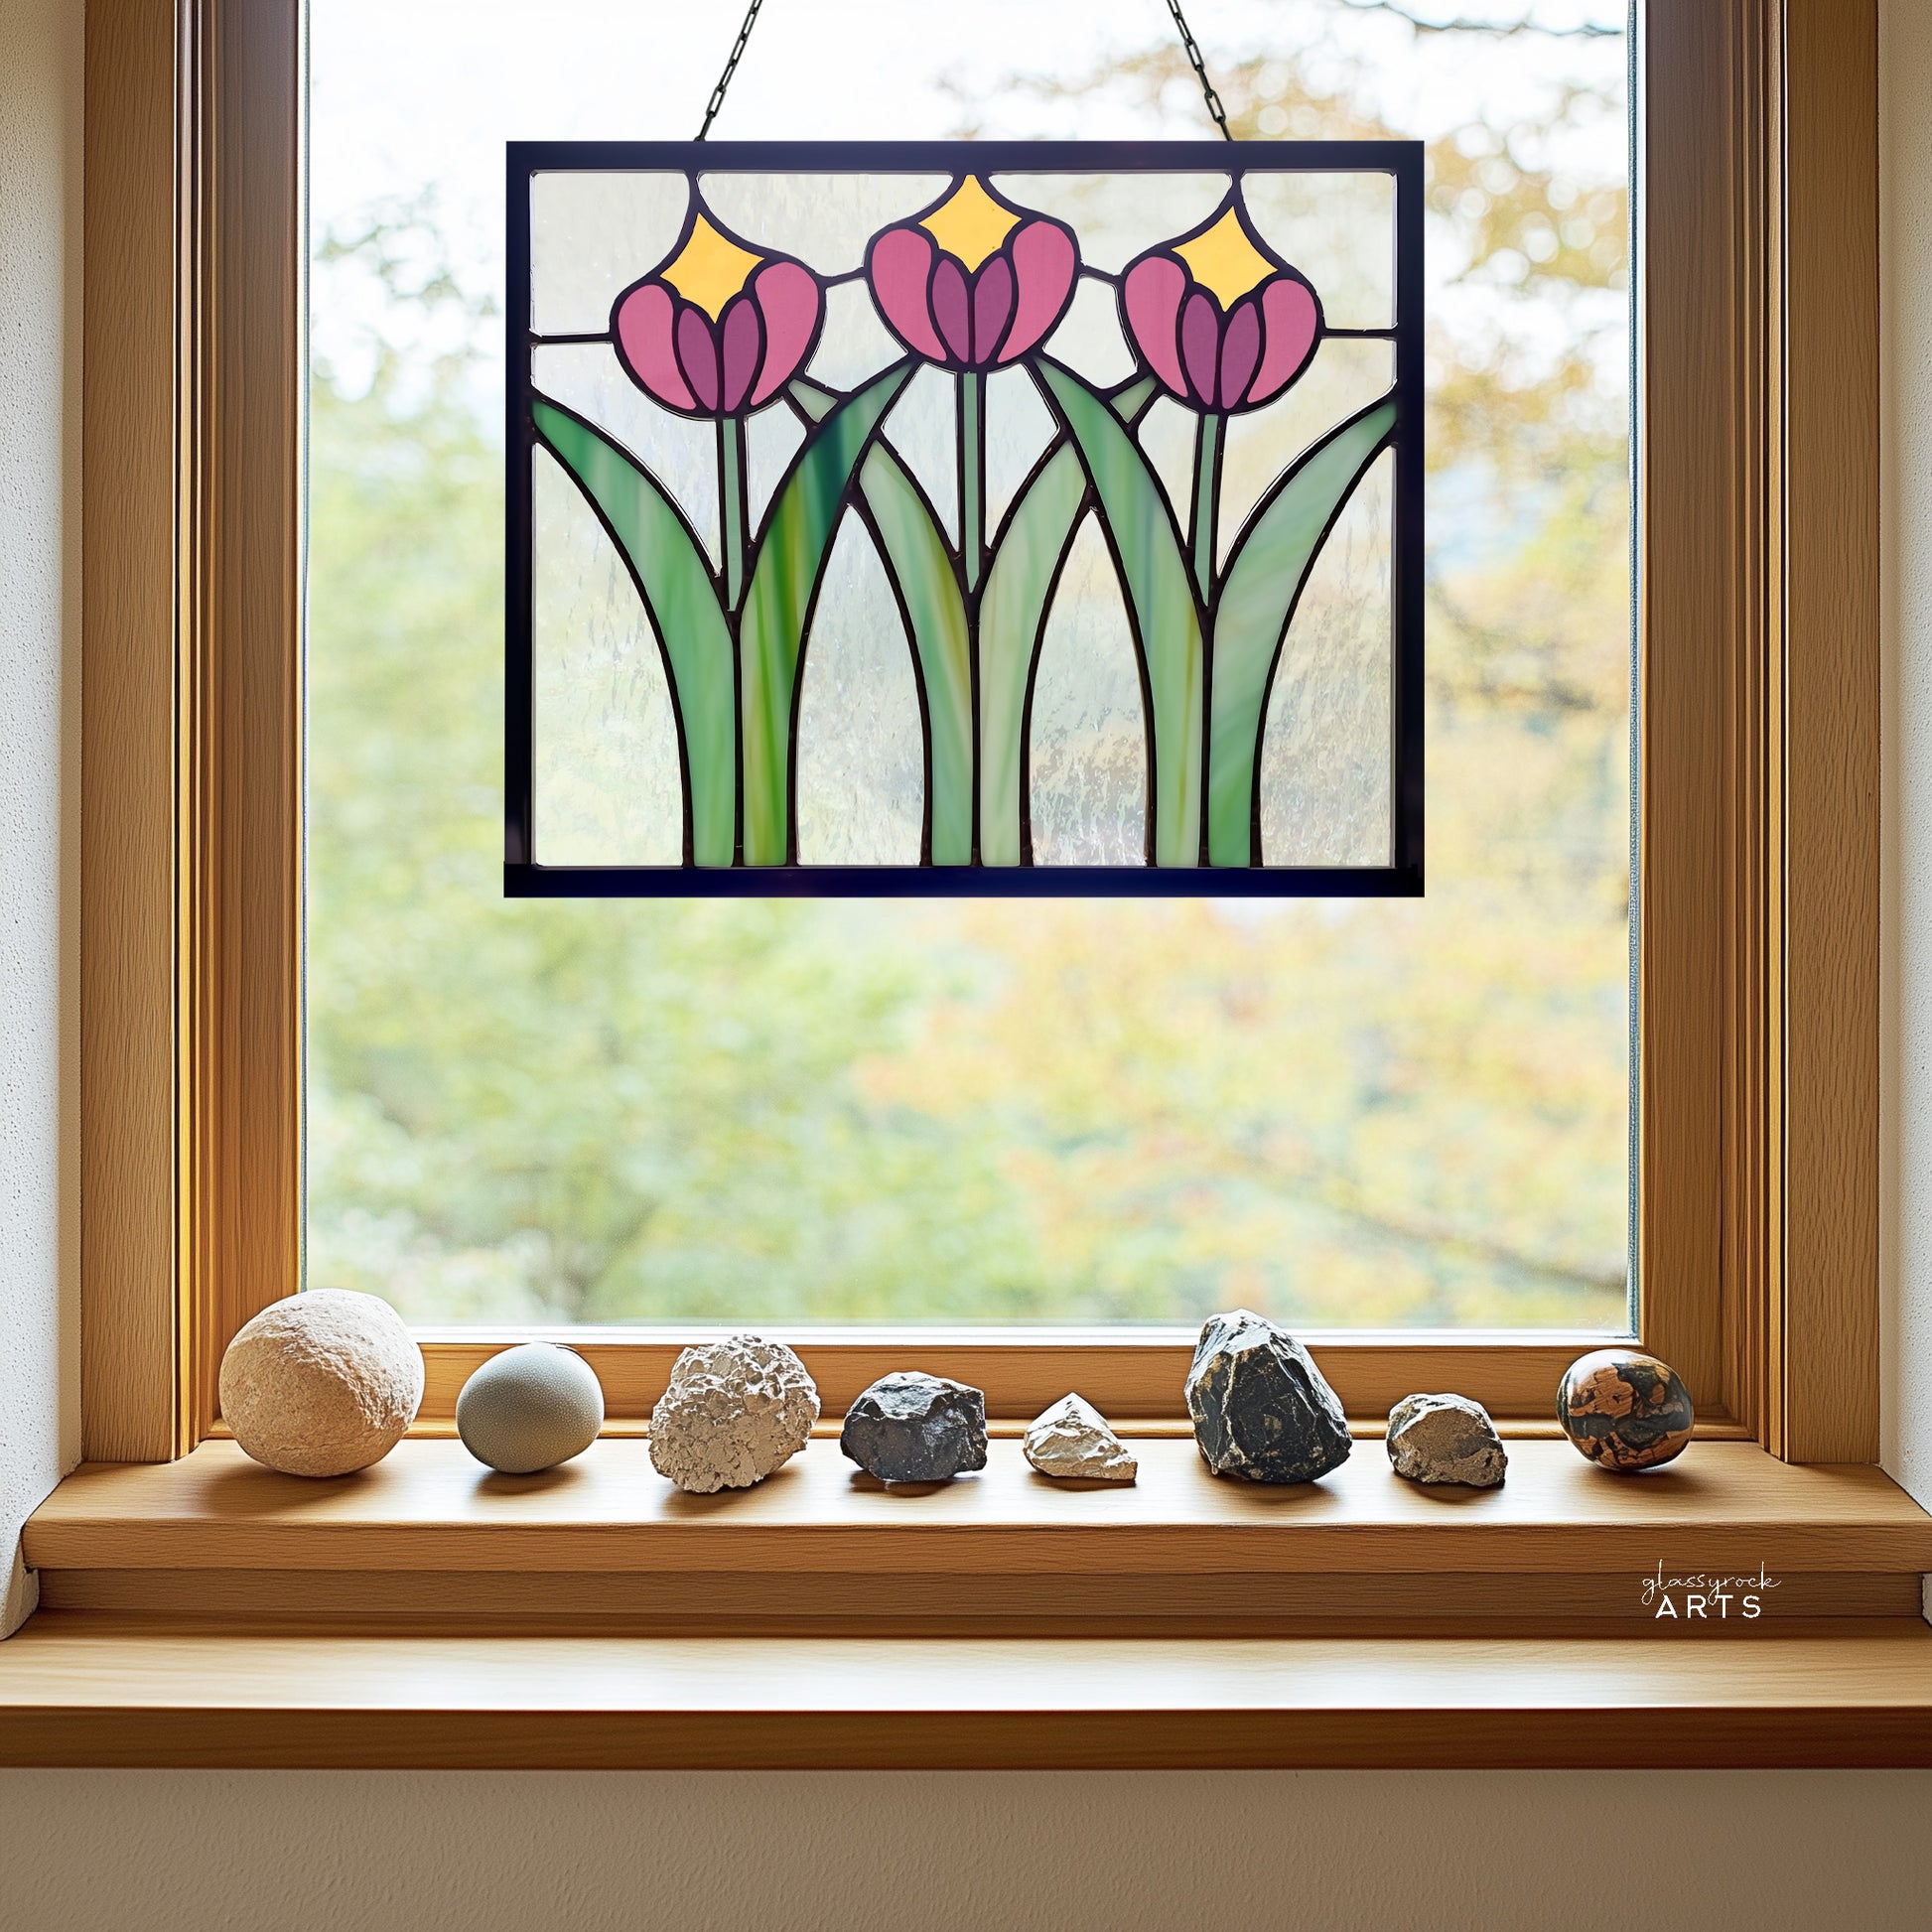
point(1706, 1597)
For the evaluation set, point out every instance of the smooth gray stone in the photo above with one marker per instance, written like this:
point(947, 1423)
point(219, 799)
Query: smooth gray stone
point(1261, 1408)
point(530, 1408)
point(1445, 1439)
point(913, 1427)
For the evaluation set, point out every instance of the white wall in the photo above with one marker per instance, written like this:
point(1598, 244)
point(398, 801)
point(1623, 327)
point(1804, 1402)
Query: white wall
point(39, 616)
point(273, 1852)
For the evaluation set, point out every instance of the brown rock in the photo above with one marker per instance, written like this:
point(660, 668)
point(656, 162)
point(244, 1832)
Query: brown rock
point(1445, 1439)
point(1625, 1410)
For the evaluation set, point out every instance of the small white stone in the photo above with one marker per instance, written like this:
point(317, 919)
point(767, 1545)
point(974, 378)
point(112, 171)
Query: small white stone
point(1072, 1439)
point(734, 1411)
point(1445, 1439)
point(530, 1408)
point(322, 1383)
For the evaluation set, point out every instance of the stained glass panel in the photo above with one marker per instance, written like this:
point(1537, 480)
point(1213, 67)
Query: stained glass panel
point(978, 520)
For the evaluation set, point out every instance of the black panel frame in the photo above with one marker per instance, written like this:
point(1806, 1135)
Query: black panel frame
point(524, 876)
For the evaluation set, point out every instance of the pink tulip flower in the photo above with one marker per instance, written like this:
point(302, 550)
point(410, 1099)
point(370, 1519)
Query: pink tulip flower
point(973, 283)
point(718, 327)
point(1221, 320)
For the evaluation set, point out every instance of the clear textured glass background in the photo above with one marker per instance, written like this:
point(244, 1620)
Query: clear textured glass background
point(1348, 1114)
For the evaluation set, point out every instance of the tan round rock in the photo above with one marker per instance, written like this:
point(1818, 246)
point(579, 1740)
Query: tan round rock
point(322, 1383)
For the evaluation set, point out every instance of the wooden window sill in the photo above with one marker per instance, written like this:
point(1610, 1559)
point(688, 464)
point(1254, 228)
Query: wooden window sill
point(428, 1613)
point(78, 1695)
point(430, 1508)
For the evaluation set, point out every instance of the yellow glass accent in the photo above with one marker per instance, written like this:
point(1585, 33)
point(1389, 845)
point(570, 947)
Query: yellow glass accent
point(709, 269)
point(970, 223)
point(1224, 261)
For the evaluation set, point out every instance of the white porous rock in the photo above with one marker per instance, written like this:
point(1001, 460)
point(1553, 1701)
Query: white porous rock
point(736, 1410)
point(1073, 1439)
point(322, 1383)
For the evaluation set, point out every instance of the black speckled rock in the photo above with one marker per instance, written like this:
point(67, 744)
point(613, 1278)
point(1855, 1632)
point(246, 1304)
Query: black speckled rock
point(1261, 1406)
point(913, 1427)
point(1624, 1409)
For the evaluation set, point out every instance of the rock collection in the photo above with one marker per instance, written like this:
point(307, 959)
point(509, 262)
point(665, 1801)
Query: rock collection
point(913, 1427)
point(530, 1408)
point(1261, 1408)
point(322, 1383)
point(1445, 1439)
point(326, 1382)
point(734, 1411)
point(1073, 1440)
point(1624, 1409)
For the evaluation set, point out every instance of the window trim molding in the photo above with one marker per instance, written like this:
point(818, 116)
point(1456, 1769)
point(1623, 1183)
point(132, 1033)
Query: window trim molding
point(1827, 1303)
point(1757, 951)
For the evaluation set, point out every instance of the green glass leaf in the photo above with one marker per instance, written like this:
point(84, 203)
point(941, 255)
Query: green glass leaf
point(1264, 578)
point(923, 569)
point(1011, 615)
point(817, 403)
point(682, 601)
point(1032, 548)
point(785, 578)
point(1161, 596)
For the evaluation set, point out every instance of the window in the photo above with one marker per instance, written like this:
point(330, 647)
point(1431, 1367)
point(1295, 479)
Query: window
point(1756, 1124)
point(1756, 1086)
point(1089, 1114)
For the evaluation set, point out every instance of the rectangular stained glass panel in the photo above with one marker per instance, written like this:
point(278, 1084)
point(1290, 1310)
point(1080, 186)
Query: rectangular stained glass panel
point(941, 519)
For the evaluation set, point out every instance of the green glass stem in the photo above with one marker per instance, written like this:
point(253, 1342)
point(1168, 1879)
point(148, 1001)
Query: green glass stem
point(972, 474)
point(730, 504)
point(1208, 496)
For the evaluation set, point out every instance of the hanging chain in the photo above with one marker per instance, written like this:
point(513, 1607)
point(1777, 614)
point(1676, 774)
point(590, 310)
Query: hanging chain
point(1188, 46)
point(1192, 47)
point(717, 100)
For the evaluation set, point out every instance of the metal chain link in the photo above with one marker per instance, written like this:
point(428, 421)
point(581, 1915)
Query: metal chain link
point(717, 100)
point(1188, 46)
point(1192, 47)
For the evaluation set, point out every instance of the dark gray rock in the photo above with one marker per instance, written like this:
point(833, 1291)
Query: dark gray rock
point(1445, 1439)
point(913, 1427)
point(1260, 1405)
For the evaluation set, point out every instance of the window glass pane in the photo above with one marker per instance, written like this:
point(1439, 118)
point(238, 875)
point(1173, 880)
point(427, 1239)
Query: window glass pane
point(1346, 1112)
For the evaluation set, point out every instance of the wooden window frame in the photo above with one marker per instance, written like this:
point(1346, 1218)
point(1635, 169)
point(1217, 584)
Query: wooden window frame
point(1758, 767)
